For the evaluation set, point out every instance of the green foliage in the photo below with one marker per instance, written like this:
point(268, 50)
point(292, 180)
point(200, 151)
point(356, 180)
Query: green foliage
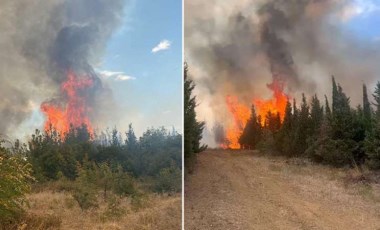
point(124, 185)
point(372, 140)
point(85, 197)
point(192, 128)
point(339, 136)
point(15, 174)
point(53, 157)
point(252, 132)
point(169, 180)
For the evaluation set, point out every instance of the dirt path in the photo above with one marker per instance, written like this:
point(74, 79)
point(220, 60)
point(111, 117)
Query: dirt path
point(239, 190)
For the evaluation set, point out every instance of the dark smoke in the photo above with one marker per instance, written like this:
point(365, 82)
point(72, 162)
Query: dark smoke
point(238, 48)
point(41, 41)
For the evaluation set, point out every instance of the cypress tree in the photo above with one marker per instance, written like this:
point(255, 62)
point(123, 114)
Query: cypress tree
point(316, 115)
point(376, 96)
point(192, 128)
point(252, 132)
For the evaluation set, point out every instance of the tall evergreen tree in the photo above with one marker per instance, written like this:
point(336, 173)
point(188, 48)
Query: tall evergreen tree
point(131, 139)
point(376, 96)
point(366, 107)
point(284, 139)
point(252, 132)
point(193, 129)
point(316, 116)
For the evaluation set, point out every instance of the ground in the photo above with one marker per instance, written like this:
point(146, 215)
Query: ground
point(58, 210)
point(243, 190)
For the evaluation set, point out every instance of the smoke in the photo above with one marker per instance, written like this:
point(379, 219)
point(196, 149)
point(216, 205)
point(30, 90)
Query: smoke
point(238, 48)
point(41, 41)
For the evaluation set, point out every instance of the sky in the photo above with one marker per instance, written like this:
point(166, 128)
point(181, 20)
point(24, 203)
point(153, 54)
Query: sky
point(142, 65)
point(144, 59)
point(364, 19)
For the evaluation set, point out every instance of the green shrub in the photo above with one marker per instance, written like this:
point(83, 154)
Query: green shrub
point(15, 174)
point(334, 152)
point(123, 184)
point(86, 198)
point(169, 180)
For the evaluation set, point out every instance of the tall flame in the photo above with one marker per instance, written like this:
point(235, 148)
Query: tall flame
point(74, 110)
point(276, 104)
point(241, 115)
point(241, 112)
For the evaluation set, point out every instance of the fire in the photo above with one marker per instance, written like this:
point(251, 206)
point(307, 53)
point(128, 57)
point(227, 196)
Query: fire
point(241, 112)
point(241, 115)
point(74, 111)
point(276, 104)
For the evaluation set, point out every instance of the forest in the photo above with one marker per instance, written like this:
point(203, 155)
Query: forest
point(106, 167)
point(334, 134)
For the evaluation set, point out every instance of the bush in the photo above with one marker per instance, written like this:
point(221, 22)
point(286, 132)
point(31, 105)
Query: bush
point(86, 198)
point(169, 180)
point(334, 152)
point(123, 184)
point(15, 174)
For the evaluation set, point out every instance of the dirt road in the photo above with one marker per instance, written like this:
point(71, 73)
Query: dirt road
point(240, 190)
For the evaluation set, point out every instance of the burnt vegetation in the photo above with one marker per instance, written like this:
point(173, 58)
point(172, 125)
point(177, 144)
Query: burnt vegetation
point(334, 134)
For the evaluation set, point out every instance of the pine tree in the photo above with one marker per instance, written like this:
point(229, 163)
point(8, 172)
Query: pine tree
point(302, 129)
point(284, 139)
point(131, 140)
point(376, 96)
point(372, 139)
point(193, 129)
point(366, 107)
point(327, 108)
point(316, 116)
point(252, 132)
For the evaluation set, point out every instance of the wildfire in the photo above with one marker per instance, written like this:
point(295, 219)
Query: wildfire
point(241, 112)
point(74, 111)
point(241, 115)
point(276, 104)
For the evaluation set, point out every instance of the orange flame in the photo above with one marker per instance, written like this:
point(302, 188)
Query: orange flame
point(241, 112)
point(276, 104)
point(75, 111)
point(241, 115)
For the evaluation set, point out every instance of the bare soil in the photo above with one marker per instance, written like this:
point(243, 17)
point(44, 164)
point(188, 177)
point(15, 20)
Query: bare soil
point(242, 190)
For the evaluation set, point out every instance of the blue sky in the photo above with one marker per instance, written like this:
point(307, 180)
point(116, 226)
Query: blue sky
point(147, 85)
point(364, 20)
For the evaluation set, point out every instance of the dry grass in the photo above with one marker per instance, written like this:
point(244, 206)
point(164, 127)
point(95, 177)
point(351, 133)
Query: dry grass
point(58, 210)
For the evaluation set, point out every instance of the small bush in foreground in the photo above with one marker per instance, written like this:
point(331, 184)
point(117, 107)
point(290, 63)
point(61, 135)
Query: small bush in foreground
point(169, 180)
point(15, 174)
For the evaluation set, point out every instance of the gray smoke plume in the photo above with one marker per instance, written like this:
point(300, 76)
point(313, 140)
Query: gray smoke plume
point(239, 47)
point(40, 41)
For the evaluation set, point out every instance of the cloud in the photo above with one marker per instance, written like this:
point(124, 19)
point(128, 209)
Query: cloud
point(163, 45)
point(117, 76)
point(122, 77)
point(357, 8)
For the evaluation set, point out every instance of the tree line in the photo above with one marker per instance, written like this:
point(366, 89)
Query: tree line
point(86, 165)
point(335, 133)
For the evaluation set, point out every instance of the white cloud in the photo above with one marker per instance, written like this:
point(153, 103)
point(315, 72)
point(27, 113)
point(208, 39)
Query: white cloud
point(357, 8)
point(163, 45)
point(117, 76)
point(122, 77)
